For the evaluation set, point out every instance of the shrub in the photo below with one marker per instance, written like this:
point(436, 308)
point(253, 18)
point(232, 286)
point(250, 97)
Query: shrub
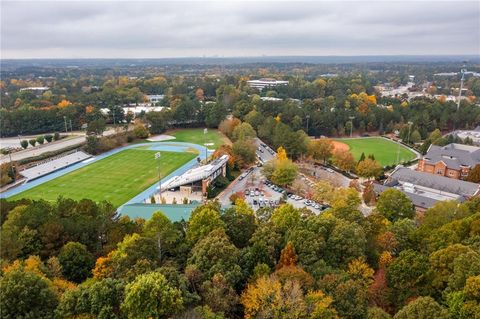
point(56, 136)
point(24, 144)
point(40, 139)
point(49, 138)
point(140, 131)
point(32, 142)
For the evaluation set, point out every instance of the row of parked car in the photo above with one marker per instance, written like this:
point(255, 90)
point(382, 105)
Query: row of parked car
point(307, 202)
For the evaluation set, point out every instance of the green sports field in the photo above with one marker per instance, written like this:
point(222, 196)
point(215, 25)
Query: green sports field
point(385, 151)
point(116, 178)
point(196, 136)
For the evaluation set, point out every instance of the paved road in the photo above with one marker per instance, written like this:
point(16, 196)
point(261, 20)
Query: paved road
point(47, 147)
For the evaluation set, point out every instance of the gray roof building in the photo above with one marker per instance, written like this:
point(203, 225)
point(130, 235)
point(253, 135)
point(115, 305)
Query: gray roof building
point(453, 155)
point(425, 190)
point(442, 184)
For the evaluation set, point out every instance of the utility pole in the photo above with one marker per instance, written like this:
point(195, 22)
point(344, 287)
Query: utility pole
point(351, 124)
point(114, 124)
point(65, 120)
point(157, 158)
point(71, 126)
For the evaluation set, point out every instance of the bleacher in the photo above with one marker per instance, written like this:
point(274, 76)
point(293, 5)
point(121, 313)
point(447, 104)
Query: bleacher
point(56, 164)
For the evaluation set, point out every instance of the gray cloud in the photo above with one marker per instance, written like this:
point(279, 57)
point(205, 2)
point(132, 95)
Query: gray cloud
point(72, 29)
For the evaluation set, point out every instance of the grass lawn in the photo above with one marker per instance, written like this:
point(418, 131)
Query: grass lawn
point(385, 151)
point(196, 136)
point(116, 178)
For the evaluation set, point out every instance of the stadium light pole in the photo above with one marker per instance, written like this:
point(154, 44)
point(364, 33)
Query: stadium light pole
point(351, 124)
point(157, 158)
point(205, 131)
point(398, 147)
point(65, 120)
point(409, 127)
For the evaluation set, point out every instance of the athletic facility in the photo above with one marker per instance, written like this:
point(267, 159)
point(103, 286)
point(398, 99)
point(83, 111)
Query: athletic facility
point(124, 174)
point(386, 152)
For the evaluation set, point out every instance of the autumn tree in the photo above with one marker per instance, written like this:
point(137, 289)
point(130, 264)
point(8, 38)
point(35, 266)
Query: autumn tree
point(321, 149)
point(368, 194)
point(369, 168)
point(474, 174)
point(344, 160)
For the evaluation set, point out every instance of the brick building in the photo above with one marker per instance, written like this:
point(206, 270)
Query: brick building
point(452, 160)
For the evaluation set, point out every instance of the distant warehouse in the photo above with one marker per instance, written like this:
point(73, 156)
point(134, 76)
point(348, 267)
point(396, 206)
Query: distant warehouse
point(265, 83)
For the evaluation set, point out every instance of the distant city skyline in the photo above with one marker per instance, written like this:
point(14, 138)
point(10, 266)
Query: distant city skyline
point(155, 29)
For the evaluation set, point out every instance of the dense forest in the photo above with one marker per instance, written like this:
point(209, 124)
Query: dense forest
point(80, 260)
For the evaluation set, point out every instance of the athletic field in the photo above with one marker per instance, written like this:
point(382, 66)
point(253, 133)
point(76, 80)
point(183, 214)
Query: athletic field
point(385, 151)
point(116, 178)
point(196, 136)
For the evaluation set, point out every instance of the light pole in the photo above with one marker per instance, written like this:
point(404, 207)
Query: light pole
point(351, 124)
point(409, 127)
point(71, 126)
point(65, 120)
point(157, 158)
point(398, 147)
point(205, 131)
point(462, 71)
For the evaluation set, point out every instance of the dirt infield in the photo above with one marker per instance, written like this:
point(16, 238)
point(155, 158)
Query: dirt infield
point(340, 146)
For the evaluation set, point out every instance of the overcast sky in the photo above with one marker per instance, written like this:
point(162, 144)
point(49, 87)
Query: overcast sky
point(157, 29)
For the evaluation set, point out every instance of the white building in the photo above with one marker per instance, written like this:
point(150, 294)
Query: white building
point(265, 82)
point(155, 98)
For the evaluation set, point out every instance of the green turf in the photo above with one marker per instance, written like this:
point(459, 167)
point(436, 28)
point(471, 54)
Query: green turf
point(116, 178)
point(196, 136)
point(385, 151)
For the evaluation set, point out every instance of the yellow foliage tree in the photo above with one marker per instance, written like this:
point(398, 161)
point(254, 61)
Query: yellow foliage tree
point(385, 259)
point(359, 270)
point(281, 154)
point(64, 103)
point(103, 267)
point(89, 109)
point(278, 118)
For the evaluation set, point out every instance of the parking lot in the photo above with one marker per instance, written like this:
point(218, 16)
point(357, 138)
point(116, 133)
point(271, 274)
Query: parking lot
point(261, 193)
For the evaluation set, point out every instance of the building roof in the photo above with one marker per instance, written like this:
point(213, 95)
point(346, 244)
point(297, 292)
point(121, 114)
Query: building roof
point(417, 199)
point(197, 173)
point(436, 182)
point(174, 212)
point(453, 155)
